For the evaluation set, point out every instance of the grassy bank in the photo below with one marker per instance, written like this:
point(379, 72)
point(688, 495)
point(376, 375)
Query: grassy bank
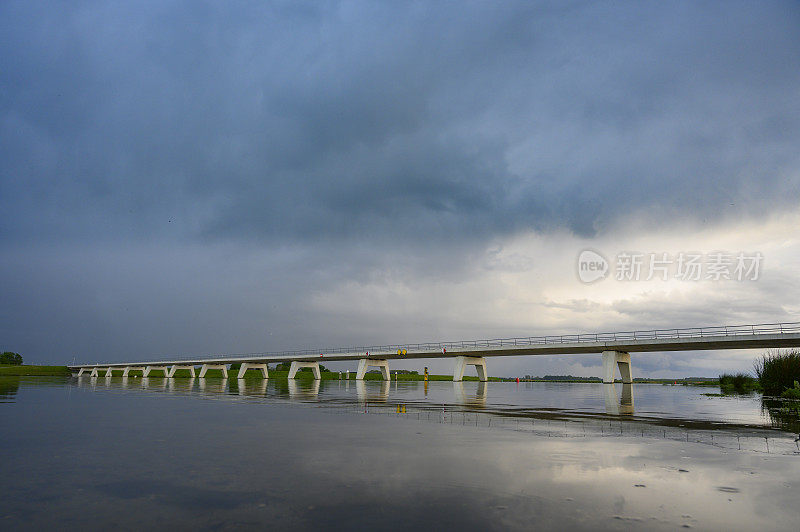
point(23, 370)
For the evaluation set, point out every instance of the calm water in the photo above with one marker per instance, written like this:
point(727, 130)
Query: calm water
point(95, 453)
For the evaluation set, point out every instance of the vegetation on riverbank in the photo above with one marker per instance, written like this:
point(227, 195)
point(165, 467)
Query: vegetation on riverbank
point(11, 370)
point(738, 383)
point(793, 392)
point(10, 359)
point(778, 372)
point(778, 378)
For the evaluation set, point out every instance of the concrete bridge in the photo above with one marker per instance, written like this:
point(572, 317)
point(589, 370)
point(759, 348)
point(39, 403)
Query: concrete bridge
point(615, 349)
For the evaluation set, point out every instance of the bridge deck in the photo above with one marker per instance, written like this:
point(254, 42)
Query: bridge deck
point(780, 335)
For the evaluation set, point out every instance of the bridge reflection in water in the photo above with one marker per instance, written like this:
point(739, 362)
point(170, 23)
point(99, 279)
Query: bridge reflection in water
point(304, 390)
point(477, 399)
point(468, 395)
point(372, 394)
point(623, 405)
point(487, 404)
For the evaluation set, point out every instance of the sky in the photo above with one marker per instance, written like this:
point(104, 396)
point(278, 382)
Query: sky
point(203, 177)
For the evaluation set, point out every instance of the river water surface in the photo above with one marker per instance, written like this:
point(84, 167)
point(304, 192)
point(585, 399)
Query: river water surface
point(97, 453)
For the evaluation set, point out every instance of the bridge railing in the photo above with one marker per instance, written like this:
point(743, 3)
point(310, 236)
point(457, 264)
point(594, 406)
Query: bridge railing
point(654, 334)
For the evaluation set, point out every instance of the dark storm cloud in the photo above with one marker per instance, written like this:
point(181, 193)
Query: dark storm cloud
point(187, 177)
point(285, 122)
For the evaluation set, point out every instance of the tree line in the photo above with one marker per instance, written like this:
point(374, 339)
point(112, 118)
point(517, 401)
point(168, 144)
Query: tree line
point(14, 359)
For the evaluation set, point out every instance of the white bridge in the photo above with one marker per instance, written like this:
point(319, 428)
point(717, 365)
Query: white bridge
point(615, 348)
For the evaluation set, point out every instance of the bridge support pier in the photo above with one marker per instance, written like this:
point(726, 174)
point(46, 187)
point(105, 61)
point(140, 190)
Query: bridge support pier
point(128, 369)
point(463, 362)
point(174, 368)
point(148, 369)
point(623, 361)
point(363, 363)
point(93, 373)
point(206, 367)
point(249, 365)
point(108, 372)
point(81, 371)
point(296, 365)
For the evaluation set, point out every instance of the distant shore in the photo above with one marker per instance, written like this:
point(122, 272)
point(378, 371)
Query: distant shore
point(42, 371)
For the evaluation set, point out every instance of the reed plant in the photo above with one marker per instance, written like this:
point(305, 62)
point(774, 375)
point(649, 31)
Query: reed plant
point(777, 371)
point(737, 383)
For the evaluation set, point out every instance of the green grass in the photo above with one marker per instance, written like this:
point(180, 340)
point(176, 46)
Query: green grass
point(9, 371)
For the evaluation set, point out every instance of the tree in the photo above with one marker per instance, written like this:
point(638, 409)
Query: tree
point(14, 359)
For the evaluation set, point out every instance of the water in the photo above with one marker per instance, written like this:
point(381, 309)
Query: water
point(95, 453)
